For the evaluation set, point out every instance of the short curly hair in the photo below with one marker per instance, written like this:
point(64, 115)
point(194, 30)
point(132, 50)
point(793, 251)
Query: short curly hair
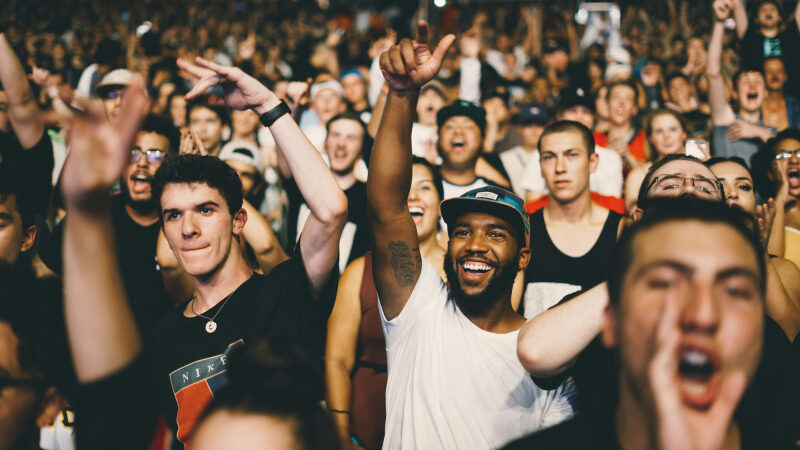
point(191, 169)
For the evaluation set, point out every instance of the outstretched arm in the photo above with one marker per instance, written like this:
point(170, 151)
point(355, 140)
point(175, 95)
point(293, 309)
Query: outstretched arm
point(319, 242)
point(396, 257)
point(102, 333)
point(740, 16)
point(26, 118)
point(721, 112)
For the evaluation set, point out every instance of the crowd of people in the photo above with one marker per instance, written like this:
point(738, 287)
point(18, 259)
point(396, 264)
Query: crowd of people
point(261, 224)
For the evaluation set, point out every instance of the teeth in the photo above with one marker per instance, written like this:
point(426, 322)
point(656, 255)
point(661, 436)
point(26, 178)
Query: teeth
point(477, 266)
point(694, 387)
point(416, 211)
point(694, 358)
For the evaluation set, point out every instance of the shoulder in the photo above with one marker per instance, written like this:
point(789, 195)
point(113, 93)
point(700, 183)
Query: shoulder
point(572, 434)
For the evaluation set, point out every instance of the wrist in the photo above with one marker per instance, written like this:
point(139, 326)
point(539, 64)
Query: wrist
point(271, 102)
point(410, 93)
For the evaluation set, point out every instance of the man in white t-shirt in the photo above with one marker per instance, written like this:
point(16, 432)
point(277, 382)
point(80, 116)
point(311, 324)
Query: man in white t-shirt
point(578, 106)
point(454, 379)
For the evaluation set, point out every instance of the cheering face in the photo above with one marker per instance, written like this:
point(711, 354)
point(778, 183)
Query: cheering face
point(667, 135)
point(750, 90)
point(775, 74)
point(566, 165)
point(198, 227)
point(621, 104)
point(423, 201)
point(708, 273)
point(343, 145)
point(460, 141)
point(679, 90)
point(768, 15)
point(327, 104)
point(738, 185)
point(790, 166)
point(483, 257)
point(208, 126)
point(147, 154)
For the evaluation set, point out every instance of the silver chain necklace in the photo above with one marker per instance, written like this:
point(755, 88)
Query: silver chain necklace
point(211, 326)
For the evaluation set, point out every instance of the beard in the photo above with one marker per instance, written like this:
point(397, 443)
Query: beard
point(140, 206)
point(480, 303)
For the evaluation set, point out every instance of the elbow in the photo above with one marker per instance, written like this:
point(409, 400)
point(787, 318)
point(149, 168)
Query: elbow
point(532, 358)
point(335, 213)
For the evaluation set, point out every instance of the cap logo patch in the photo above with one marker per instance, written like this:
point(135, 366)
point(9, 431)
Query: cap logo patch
point(489, 195)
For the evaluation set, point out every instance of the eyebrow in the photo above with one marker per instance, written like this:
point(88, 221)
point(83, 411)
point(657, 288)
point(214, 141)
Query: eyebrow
point(688, 271)
point(6, 216)
point(197, 206)
point(737, 271)
point(671, 264)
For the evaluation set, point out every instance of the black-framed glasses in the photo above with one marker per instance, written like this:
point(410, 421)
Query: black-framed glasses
point(6, 382)
point(153, 155)
point(667, 183)
point(787, 154)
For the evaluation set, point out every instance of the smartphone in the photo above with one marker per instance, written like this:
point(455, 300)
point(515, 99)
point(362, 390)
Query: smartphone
point(697, 148)
point(143, 28)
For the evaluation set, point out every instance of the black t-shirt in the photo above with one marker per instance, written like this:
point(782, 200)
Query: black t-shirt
point(355, 237)
point(136, 254)
point(33, 166)
point(786, 45)
point(189, 364)
point(698, 120)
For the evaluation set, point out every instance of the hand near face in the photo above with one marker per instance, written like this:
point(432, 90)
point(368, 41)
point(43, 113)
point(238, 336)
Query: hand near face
point(100, 150)
point(743, 130)
point(410, 64)
point(675, 429)
point(192, 144)
point(779, 169)
point(241, 90)
point(765, 216)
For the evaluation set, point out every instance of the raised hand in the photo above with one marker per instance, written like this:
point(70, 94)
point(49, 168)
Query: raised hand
point(100, 150)
point(722, 9)
point(410, 64)
point(765, 216)
point(241, 91)
point(191, 144)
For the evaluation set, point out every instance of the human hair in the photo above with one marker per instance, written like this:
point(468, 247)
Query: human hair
point(731, 159)
point(744, 70)
point(280, 378)
point(673, 75)
point(648, 125)
point(32, 308)
point(163, 127)
point(681, 209)
point(203, 101)
point(13, 183)
point(347, 115)
point(569, 126)
point(628, 82)
point(762, 160)
point(201, 169)
point(437, 177)
point(644, 199)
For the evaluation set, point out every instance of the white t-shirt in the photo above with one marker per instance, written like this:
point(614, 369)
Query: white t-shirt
point(606, 180)
point(515, 160)
point(453, 385)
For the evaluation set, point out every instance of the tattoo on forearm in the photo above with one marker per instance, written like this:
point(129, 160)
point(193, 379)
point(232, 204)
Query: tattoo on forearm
point(404, 262)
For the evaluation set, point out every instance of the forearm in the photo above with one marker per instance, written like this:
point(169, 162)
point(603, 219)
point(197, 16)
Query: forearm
point(102, 333)
point(377, 115)
point(26, 119)
point(337, 386)
point(262, 240)
point(716, 86)
point(776, 244)
point(740, 16)
point(314, 179)
point(550, 342)
point(780, 306)
point(714, 63)
point(390, 163)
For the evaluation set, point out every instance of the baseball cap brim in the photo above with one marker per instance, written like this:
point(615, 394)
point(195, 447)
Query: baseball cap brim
point(455, 207)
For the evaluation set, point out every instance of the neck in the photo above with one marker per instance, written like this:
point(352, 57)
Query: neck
point(144, 219)
point(684, 105)
point(773, 96)
point(530, 148)
point(458, 175)
point(345, 180)
point(361, 105)
point(620, 128)
point(750, 116)
point(212, 289)
point(577, 210)
point(500, 318)
point(215, 150)
point(251, 137)
point(770, 32)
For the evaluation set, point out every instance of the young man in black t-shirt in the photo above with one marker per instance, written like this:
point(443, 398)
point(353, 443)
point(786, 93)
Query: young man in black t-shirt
point(687, 295)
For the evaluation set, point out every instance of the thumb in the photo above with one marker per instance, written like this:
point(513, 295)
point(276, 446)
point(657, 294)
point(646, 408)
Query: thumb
point(443, 46)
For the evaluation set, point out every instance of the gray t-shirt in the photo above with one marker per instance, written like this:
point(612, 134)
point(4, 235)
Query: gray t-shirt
point(743, 148)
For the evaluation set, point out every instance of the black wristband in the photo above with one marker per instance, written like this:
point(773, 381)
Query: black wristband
point(269, 117)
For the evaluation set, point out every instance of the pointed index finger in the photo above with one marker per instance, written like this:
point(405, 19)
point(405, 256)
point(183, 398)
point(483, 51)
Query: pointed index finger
point(422, 32)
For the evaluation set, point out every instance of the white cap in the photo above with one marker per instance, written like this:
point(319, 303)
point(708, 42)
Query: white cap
point(330, 84)
point(243, 151)
point(115, 78)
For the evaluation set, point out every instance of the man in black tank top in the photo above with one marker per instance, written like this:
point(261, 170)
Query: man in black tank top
point(572, 237)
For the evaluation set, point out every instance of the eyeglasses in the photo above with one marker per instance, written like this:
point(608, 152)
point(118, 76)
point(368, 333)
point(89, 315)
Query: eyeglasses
point(153, 156)
point(111, 95)
point(667, 183)
point(787, 154)
point(6, 382)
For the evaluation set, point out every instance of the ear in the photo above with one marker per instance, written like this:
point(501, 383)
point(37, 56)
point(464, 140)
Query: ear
point(239, 220)
point(608, 333)
point(28, 236)
point(594, 160)
point(637, 214)
point(52, 403)
point(524, 258)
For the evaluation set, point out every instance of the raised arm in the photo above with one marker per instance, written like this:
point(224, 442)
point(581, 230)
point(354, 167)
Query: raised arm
point(319, 241)
point(26, 118)
point(102, 333)
point(396, 257)
point(721, 112)
point(740, 16)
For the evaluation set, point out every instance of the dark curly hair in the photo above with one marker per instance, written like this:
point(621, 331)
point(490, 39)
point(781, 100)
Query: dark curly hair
point(200, 169)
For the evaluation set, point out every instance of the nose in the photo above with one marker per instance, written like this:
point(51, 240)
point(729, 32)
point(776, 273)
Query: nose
point(700, 310)
point(477, 243)
point(189, 226)
point(561, 165)
point(413, 194)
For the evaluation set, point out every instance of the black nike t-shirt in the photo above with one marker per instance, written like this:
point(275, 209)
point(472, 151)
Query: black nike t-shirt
point(190, 364)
